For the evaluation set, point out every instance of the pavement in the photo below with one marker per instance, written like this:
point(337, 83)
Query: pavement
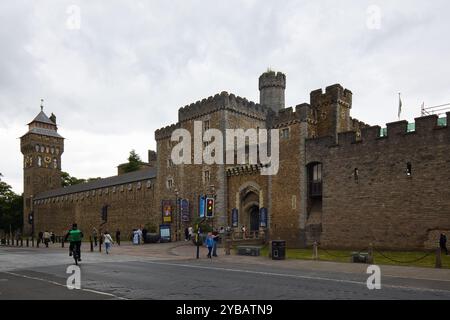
point(171, 271)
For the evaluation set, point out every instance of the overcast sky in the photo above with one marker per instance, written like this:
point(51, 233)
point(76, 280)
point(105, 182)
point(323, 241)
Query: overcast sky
point(125, 67)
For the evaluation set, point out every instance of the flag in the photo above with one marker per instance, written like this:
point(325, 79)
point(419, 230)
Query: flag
point(399, 105)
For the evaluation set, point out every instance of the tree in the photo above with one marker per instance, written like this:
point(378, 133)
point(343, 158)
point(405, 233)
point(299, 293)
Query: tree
point(11, 208)
point(68, 180)
point(134, 162)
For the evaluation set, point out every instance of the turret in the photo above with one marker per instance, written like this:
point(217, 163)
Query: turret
point(271, 87)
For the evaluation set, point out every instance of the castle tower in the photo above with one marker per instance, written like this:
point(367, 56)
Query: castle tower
point(271, 90)
point(42, 147)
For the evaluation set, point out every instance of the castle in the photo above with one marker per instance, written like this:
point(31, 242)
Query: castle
point(340, 181)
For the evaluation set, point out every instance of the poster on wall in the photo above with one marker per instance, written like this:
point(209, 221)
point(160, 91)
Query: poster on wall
point(201, 206)
point(234, 218)
point(263, 217)
point(185, 212)
point(167, 211)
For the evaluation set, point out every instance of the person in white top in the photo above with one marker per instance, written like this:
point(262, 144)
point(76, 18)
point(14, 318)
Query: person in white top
point(108, 241)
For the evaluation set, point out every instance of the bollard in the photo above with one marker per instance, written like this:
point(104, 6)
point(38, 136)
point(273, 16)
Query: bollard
point(92, 244)
point(62, 243)
point(370, 259)
point(21, 242)
point(32, 242)
point(28, 242)
point(315, 251)
point(99, 245)
point(438, 263)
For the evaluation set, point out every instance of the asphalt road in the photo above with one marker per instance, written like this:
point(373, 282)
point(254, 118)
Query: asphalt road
point(28, 274)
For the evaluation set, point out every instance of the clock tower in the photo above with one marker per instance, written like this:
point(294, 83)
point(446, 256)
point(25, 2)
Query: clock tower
point(42, 147)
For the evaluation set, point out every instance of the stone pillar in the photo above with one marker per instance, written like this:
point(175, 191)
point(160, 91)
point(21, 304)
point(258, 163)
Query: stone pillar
point(438, 263)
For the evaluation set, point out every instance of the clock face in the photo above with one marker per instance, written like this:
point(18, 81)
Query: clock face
point(47, 159)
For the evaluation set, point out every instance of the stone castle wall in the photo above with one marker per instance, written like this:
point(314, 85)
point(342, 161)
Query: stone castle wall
point(382, 204)
point(129, 206)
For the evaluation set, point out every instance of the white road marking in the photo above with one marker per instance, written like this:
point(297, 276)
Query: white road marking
point(296, 276)
point(63, 285)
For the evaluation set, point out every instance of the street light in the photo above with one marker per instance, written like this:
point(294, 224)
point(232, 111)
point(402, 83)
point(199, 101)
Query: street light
point(176, 215)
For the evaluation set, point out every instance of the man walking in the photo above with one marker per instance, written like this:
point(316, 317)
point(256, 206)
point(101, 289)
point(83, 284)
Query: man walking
point(94, 236)
point(108, 241)
point(209, 244)
point(118, 237)
point(443, 243)
point(46, 238)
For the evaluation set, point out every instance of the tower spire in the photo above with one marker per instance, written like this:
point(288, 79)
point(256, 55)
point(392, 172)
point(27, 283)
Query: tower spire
point(42, 104)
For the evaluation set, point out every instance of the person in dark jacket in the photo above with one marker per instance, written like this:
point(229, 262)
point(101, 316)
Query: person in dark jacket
point(443, 243)
point(118, 237)
point(215, 235)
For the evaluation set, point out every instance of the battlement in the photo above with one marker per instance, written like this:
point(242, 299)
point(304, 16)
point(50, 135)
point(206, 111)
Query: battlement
point(272, 79)
point(333, 94)
point(424, 126)
point(288, 115)
point(166, 132)
point(222, 101)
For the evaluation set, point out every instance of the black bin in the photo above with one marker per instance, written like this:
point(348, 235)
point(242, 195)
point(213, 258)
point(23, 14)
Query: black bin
point(278, 249)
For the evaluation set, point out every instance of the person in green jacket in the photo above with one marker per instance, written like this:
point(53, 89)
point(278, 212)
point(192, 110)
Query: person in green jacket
point(74, 236)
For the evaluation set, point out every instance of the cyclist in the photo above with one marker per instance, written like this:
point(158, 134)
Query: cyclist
point(74, 236)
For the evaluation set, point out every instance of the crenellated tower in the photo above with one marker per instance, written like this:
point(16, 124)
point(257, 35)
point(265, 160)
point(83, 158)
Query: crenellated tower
point(271, 87)
point(42, 147)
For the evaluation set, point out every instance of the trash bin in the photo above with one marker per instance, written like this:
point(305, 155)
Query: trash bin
point(278, 249)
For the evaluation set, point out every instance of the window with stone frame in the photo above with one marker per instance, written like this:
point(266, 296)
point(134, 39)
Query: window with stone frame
point(285, 133)
point(170, 183)
point(206, 176)
point(206, 125)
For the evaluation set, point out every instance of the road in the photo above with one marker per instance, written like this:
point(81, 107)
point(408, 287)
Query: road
point(40, 274)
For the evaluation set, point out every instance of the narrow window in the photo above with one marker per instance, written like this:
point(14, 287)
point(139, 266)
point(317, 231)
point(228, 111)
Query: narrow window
point(206, 176)
point(356, 174)
point(408, 169)
point(39, 161)
point(285, 133)
point(205, 125)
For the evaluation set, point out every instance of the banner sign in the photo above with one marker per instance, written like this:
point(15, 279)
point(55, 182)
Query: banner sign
point(167, 209)
point(263, 217)
point(185, 212)
point(202, 206)
point(234, 218)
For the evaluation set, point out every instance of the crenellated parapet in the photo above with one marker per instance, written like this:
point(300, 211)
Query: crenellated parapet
point(223, 101)
point(288, 116)
point(166, 132)
point(333, 94)
point(424, 127)
point(271, 79)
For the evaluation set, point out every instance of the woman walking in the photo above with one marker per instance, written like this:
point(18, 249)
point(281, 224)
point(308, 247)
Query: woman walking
point(108, 241)
point(209, 244)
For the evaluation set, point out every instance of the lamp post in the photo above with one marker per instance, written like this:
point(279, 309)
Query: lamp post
point(177, 226)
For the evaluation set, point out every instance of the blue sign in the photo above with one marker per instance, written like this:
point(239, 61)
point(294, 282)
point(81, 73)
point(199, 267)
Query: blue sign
point(202, 206)
point(185, 213)
point(263, 217)
point(234, 217)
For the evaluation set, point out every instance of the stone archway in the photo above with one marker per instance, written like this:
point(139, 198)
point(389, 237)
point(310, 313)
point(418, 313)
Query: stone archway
point(249, 196)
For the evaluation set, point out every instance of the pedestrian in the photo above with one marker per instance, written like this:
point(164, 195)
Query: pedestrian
point(209, 244)
point(139, 231)
point(46, 237)
point(216, 241)
point(443, 243)
point(94, 235)
point(108, 241)
point(244, 232)
point(144, 235)
point(118, 237)
point(135, 237)
point(40, 237)
point(191, 232)
point(186, 234)
point(53, 237)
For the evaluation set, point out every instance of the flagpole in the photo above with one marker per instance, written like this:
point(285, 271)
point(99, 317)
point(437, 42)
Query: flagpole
point(399, 105)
